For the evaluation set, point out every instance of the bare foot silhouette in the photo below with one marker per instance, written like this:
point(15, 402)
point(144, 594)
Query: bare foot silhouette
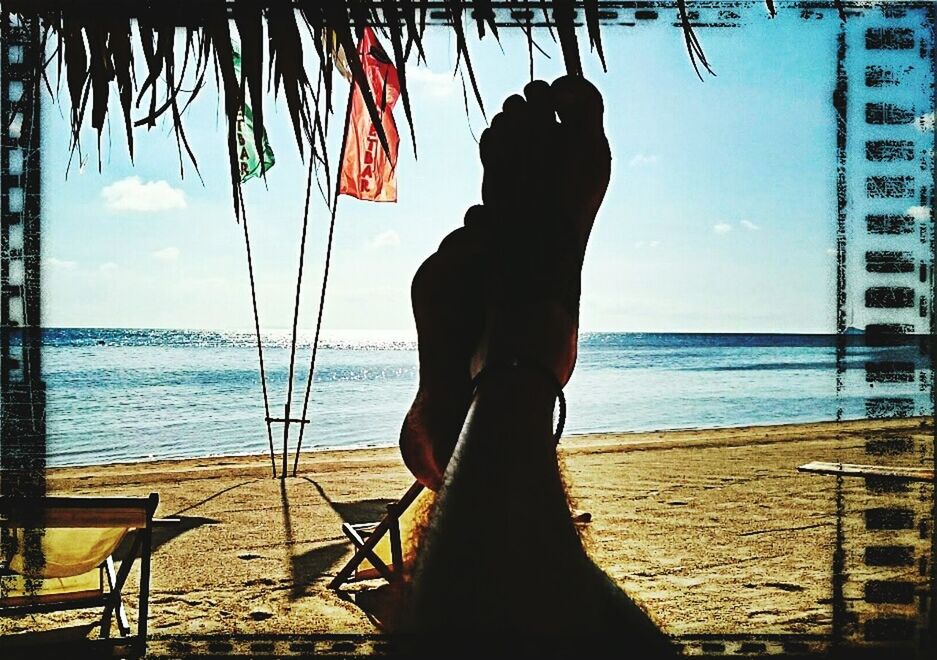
point(507, 284)
point(448, 307)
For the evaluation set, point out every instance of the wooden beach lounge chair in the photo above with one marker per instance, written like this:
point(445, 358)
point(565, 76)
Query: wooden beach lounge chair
point(80, 536)
point(385, 548)
point(868, 471)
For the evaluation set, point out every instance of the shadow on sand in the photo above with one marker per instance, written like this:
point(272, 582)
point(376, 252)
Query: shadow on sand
point(307, 567)
point(362, 511)
point(70, 641)
point(378, 603)
point(163, 533)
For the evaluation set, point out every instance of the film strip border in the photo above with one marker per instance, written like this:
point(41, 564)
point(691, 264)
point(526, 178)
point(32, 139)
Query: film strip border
point(894, 280)
point(702, 14)
point(254, 646)
point(349, 646)
point(22, 405)
point(883, 568)
point(354, 646)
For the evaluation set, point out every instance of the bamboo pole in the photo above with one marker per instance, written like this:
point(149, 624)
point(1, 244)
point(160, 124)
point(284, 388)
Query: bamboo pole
point(325, 276)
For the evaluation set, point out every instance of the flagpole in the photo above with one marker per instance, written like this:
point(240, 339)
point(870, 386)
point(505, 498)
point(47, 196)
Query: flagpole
point(260, 349)
point(299, 285)
point(325, 272)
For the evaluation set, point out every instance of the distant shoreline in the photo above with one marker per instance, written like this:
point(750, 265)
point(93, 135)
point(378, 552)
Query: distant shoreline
point(622, 440)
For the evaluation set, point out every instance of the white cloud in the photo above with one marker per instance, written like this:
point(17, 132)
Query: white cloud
point(108, 267)
point(830, 251)
point(919, 212)
point(925, 122)
point(646, 244)
point(386, 239)
point(749, 225)
point(722, 228)
point(133, 194)
point(170, 253)
point(61, 264)
point(432, 82)
point(642, 159)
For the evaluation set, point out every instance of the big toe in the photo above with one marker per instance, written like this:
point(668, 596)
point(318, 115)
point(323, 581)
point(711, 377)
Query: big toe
point(578, 103)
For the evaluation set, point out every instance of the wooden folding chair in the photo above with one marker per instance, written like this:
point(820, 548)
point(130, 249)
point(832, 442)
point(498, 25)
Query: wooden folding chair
point(376, 557)
point(366, 538)
point(78, 538)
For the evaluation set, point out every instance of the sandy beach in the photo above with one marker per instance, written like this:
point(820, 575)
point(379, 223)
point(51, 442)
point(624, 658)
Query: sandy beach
point(713, 531)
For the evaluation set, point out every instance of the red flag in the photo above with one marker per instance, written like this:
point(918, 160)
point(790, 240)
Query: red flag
point(367, 170)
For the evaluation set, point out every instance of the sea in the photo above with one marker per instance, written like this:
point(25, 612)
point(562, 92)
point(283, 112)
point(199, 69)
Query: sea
point(120, 395)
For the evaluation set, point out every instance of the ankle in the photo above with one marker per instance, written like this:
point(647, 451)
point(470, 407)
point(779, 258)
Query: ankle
point(540, 332)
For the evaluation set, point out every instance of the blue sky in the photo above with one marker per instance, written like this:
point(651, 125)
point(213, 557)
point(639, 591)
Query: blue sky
point(720, 215)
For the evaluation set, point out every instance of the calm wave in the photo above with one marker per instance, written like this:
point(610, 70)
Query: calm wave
point(129, 395)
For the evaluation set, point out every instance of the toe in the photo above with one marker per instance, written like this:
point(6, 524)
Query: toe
point(492, 145)
point(540, 101)
point(478, 220)
point(485, 146)
point(476, 215)
point(514, 104)
point(462, 244)
point(499, 151)
point(510, 123)
point(578, 103)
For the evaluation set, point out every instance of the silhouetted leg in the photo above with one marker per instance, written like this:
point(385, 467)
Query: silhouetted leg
point(501, 554)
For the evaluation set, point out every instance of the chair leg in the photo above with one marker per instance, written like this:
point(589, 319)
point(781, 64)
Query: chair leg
point(396, 545)
point(146, 552)
point(120, 578)
point(122, 625)
point(106, 622)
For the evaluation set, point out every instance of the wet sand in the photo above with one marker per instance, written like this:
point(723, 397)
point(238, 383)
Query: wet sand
point(712, 531)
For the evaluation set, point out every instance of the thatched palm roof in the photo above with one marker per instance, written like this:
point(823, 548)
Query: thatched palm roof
point(93, 44)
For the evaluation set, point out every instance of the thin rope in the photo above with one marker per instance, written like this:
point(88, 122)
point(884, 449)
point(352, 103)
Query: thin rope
point(260, 350)
point(325, 278)
point(299, 285)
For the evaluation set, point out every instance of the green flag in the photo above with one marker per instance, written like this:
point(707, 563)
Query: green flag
point(249, 163)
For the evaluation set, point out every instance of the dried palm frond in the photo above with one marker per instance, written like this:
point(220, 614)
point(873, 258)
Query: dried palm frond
point(94, 43)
